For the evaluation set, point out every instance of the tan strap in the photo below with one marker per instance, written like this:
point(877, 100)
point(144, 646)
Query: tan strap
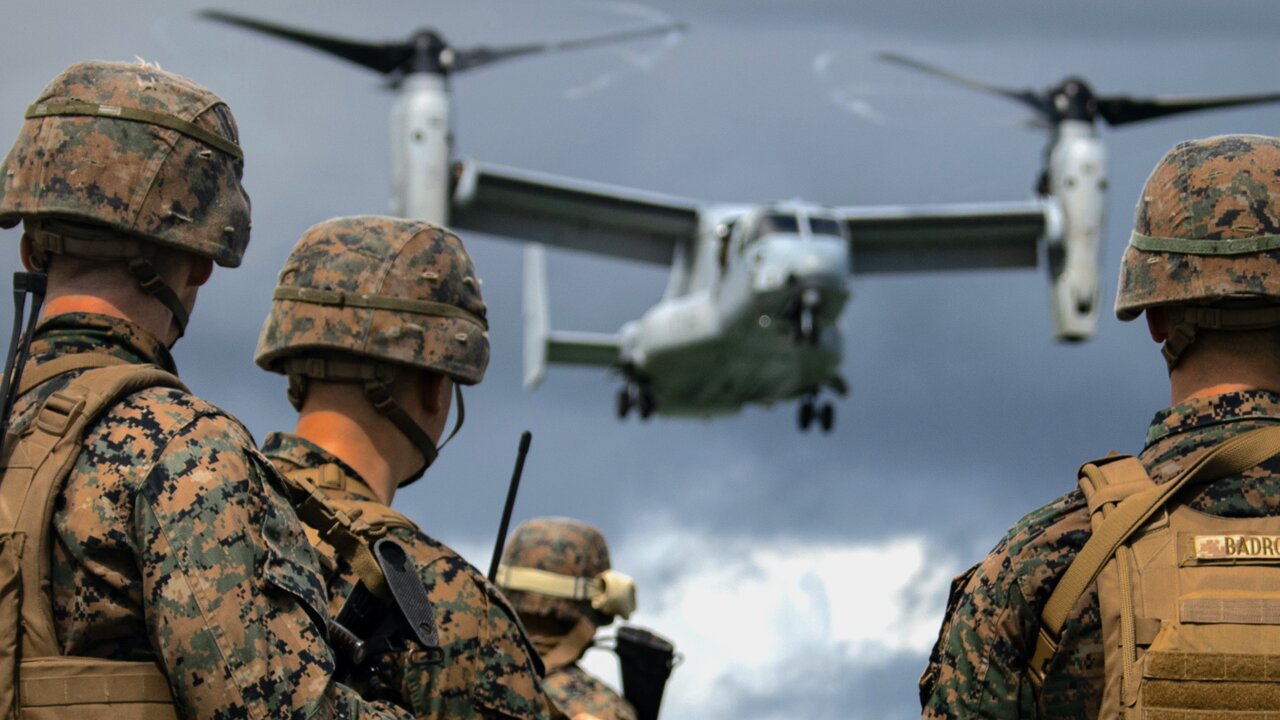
point(328, 476)
point(571, 646)
point(35, 375)
point(190, 129)
point(35, 470)
point(1109, 480)
point(69, 680)
point(545, 582)
point(342, 299)
point(338, 529)
point(1231, 457)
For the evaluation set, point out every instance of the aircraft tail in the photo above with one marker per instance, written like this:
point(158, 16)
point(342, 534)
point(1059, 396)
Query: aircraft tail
point(541, 345)
point(537, 326)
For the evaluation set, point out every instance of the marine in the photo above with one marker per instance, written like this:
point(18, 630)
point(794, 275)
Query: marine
point(378, 322)
point(179, 582)
point(558, 575)
point(1042, 628)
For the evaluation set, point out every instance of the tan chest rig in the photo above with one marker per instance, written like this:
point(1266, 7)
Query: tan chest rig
point(37, 682)
point(1190, 602)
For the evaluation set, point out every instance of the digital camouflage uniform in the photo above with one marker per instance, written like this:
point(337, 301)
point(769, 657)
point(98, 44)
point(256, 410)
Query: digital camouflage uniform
point(1216, 191)
point(433, 320)
point(573, 548)
point(173, 541)
point(487, 671)
point(583, 696)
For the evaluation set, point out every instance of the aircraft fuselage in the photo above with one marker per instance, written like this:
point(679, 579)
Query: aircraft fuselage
point(752, 319)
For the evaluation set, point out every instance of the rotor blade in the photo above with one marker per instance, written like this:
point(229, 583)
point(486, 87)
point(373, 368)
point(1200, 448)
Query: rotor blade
point(1121, 110)
point(483, 55)
point(383, 57)
point(1026, 97)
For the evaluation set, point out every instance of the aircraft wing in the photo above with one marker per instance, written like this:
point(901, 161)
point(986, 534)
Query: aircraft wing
point(948, 237)
point(571, 214)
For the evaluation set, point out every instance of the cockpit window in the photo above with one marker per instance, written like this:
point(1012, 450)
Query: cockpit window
point(778, 223)
point(824, 226)
point(775, 223)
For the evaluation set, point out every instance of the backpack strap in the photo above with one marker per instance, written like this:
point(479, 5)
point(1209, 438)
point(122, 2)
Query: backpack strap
point(349, 536)
point(1107, 481)
point(37, 466)
point(1231, 457)
point(36, 375)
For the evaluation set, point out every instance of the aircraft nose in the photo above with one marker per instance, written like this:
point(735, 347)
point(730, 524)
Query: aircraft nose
point(817, 269)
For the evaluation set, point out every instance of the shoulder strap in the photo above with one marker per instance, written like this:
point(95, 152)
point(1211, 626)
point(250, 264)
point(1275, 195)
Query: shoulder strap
point(37, 466)
point(1107, 481)
point(351, 539)
point(1231, 457)
point(36, 375)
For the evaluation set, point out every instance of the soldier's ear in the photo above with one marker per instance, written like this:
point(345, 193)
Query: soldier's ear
point(199, 271)
point(24, 252)
point(1157, 324)
point(435, 392)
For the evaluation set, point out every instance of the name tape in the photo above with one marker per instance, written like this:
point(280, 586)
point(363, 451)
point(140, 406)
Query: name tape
point(1234, 547)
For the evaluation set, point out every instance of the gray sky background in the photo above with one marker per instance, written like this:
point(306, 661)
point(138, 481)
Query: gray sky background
point(964, 413)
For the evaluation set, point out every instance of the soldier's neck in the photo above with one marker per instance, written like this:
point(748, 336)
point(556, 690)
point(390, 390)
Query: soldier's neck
point(149, 315)
point(338, 418)
point(1205, 379)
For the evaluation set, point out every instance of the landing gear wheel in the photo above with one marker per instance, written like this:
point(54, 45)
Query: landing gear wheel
point(624, 402)
point(827, 417)
point(806, 414)
point(645, 404)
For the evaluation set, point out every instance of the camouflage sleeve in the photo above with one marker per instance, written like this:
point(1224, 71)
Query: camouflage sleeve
point(582, 696)
point(486, 671)
point(510, 681)
point(230, 586)
point(978, 668)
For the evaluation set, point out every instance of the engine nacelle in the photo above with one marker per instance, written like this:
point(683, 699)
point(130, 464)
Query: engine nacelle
point(1077, 186)
point(420, 149)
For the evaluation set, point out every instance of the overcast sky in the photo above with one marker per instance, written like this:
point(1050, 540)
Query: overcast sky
point(802, 575)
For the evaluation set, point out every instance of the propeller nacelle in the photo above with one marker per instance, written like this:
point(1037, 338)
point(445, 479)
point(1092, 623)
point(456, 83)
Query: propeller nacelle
point(1072, 99)
point(428, 53)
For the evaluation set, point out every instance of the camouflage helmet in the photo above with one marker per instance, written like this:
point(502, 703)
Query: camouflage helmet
point(133, 149)
point(562, 546)
point(1206, 239)
point(402, 292)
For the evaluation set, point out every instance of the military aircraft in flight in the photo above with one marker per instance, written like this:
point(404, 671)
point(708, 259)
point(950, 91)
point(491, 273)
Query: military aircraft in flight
point(751, 309)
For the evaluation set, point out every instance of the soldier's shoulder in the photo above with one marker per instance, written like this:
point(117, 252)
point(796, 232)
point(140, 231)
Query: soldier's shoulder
point(444, 570)
point(153, 424)
point(167, 411)
point(1062, 523)
point(582, 695)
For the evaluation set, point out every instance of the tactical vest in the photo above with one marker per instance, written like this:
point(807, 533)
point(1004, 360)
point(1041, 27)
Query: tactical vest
point(1190, 602)
point(340, 527)
point(36, 681)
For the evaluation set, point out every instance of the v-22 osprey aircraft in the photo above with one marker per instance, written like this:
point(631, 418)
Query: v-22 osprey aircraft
point(751, 310)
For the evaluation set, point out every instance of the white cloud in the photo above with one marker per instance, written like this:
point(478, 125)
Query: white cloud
point(746, 614)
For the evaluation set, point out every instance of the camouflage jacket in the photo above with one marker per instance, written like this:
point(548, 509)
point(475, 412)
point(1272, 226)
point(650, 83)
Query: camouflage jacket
point(978, 667)
point(583, 696)
point(487, 670)
point(173, 542)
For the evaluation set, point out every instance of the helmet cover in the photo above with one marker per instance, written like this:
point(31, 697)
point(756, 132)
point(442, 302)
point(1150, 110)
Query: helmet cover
point(1207, 227)
point(137, 150)
point(399, 291)
point(563, 546)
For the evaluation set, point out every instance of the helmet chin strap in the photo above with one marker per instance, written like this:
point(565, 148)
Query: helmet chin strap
point(376, 379)
point(387, 406)
point(51, 237)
